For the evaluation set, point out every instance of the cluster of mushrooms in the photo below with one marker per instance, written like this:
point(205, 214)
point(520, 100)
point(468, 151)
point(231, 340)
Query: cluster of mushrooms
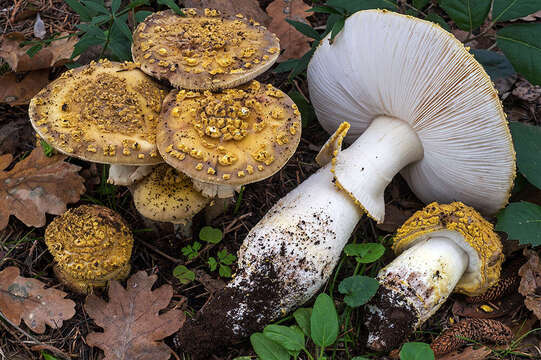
point(404, 93)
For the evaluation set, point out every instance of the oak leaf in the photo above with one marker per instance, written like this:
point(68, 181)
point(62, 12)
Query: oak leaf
point(248, 8)
point(56, 54)
point(37, 185)
point(294, 43)
point(131, 320)
point(27, 299)
point(17, 90)
point(530, 282)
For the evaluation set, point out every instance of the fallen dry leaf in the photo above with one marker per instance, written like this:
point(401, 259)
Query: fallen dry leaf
point(131, 323)
point(495, 309)
point(56, 54)
point(394, 217)
point(27, 299)
point(18, 90)
point(37, 185)
point(248, 8)
point(468, 353)
point(524, 90)
point(294, 43)
point(530, 282)
point(209, 283)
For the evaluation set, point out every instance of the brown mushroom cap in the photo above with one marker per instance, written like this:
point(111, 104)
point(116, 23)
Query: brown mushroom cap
point(168, 195)
point(203, 50)
point(91, 244)
point(233, 137)
point(104, 112)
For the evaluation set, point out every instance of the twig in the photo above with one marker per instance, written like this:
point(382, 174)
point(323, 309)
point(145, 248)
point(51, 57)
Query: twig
point(156, 250)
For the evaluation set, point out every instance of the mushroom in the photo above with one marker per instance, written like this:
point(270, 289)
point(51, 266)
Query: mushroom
point(441, 249)
point(424, 106)
point(434, 115)
point(91, 245)
point(168, 195)
point(203, 50)
point(226, 139)
point(104, 112)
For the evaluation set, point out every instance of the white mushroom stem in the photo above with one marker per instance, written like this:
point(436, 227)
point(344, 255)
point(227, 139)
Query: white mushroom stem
point(127, 174)
point(215, 190)
point(366, 168)
point(414, 286)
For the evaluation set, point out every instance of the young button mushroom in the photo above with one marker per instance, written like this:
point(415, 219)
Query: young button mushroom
point(226, 139)
point(91, 245)
point(104, 112)
point(424, 106)
point(167, 195)
point(441, 248)
point(203, 50)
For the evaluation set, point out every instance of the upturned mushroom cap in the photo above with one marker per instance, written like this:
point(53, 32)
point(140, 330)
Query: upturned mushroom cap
point(91, 245)
point(233, 137)
point(478, 240)
point(168, 195)
point(104, 112)
point(386, 64)
point(203, 50)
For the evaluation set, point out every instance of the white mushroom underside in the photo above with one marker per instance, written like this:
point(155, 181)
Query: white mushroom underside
point(125, 175)
point(384, 63)
point(302, 236)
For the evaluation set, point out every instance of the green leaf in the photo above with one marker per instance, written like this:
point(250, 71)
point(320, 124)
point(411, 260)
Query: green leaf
point(467, 14)
point(137, 3)
point(527, 140)
point(336, 28)
point(358, 289)
point(521, 44)
point(228, 259)
point(267, 349)
point(172, 5)
point(95, 6)
point(521, 221)
point(119, 45)
point(416, 351)
point(352, 6)
point(140, 16)
point(302, 317)
point(197, 246)
point(291, 338)
point(365, 252)
point(435, 18)
point(225, 271)
point(115, 5)
point(84, 13)
point(34, 50)
point(92, 29)
point(304, 29)
point(286, 66)
point(496, 65)
point(303, 63)
point(331, 20)
point(121, 26)
point(324, 321)
point(360, 358)
point(47, 356)
point(47, 149)
point(213, 264)
point(86, 41)
point(210, 234)
point(308, 114)
point(183, 274)
point(504, 10)
point(420, 4)
point(324, 9)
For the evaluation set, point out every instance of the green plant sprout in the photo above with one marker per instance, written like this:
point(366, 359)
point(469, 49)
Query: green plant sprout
point(222, 262)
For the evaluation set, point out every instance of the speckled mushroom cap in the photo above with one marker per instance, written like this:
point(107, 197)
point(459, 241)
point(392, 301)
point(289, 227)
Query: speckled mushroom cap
point(168, 195)
point(203, 50)
point(481, 243)
point(91, 245)
point(387, 64)
point(104, 112)
point(232, 137)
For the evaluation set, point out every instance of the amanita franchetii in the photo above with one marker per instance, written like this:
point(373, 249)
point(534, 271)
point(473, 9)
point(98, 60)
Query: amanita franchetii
point(434, 115)
point(104, 112)
point(441, 248)
point(91, 245)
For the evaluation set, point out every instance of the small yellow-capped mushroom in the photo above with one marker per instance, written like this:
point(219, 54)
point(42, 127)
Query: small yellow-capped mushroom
point(223, 134)
point(207, 50)
point(91, 245)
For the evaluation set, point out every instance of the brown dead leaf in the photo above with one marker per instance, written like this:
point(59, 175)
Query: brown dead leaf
point(394, 217)
point(56, 54)
point(37, 185)
point(294, 43)
point(524, 90)
point(132, 326)
point(209, 283)
point(15, 90)
point(530, 282)
point(469, 353)
point(27, 299)
point(495, 310)
point(248, 8)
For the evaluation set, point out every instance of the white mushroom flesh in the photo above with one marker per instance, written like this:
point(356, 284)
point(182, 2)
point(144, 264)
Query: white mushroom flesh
point(125, 175)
